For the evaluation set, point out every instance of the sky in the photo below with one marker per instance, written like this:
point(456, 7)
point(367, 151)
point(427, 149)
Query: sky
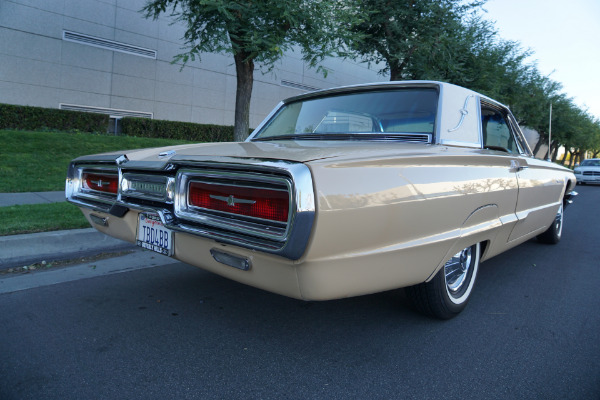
point(565, 38)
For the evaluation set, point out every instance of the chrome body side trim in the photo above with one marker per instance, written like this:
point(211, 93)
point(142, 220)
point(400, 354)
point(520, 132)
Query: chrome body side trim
point(459, 144)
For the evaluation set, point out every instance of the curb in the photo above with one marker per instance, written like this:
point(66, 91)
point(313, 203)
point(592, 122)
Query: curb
point(19, 250)
point(141, 259)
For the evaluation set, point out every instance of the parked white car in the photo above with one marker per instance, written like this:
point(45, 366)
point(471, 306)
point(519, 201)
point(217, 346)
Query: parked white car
point(588, 171)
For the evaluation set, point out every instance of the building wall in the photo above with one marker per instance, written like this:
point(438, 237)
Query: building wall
point(38, 67)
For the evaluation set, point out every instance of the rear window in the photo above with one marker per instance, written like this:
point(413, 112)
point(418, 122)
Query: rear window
point(402, 111)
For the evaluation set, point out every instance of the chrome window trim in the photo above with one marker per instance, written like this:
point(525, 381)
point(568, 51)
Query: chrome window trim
point(354, 89)
point(456, 143)
point(265, 121)
point(519, 136)
point(513, 127)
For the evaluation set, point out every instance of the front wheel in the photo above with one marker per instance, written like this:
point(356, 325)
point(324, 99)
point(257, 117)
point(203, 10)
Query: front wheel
point(448, 293)
point(553, 234)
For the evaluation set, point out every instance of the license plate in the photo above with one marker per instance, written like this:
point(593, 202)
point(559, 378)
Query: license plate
point(153, 235)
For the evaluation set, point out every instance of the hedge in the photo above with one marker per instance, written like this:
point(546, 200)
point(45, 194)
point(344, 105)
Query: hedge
point(156, 128)
point(38, 118)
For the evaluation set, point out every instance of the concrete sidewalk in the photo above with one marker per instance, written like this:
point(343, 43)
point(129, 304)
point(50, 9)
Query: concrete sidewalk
point(20, 250)
point(13, 199)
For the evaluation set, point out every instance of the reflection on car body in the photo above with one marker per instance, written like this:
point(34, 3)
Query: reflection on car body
point(341, 192)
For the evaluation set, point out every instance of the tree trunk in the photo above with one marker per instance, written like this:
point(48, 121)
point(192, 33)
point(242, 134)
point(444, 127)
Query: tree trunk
point(554, 152)
point(539, 144)
point(244, 68)
point(564, 159)
point(395, 71)
point(397, 66)
point(572, 155)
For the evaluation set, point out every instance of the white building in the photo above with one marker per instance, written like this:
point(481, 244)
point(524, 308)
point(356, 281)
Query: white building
point(103, 55)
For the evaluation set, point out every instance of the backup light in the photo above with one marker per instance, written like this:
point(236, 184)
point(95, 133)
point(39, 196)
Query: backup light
point(232, 260)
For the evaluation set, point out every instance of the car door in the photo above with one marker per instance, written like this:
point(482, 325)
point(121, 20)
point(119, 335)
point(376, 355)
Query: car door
point(540, 189)
point(538, 192)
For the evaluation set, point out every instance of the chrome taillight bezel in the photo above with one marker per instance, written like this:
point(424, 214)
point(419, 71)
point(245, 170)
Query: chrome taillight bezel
point(249, 225)
point(75, 185)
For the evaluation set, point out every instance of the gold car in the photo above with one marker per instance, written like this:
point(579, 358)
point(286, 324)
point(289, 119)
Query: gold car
point(339, 193)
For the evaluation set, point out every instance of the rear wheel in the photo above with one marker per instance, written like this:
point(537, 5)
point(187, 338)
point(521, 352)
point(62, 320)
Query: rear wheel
point(448, 293)
point(553, 234)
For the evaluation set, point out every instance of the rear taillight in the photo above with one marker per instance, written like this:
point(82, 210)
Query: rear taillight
point(107, 183)
point(253, 202)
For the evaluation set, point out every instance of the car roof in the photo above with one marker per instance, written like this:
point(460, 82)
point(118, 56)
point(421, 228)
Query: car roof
point(457, 124)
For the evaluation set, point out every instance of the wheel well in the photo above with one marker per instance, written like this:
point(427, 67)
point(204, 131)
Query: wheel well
point(569, 193)
point(484, 245)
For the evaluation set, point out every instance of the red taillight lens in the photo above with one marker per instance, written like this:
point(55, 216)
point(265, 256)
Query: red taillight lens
point(252, 202)
point(107, 183)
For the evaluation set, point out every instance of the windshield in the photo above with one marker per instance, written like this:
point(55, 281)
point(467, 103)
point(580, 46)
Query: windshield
point(590, 163)
point(371, 114)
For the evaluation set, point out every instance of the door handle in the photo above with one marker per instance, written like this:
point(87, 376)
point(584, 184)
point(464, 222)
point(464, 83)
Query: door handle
point(516, 167)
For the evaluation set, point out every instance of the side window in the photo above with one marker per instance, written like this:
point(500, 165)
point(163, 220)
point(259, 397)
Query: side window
point(496, 131)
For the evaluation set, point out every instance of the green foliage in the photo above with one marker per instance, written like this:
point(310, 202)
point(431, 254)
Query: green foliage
point(155, 128)
point(450, 41)
point(261, 30)
point(257, 32)
point(40, 218)
point(38, 161)
point(37, 118)
point(405, 33)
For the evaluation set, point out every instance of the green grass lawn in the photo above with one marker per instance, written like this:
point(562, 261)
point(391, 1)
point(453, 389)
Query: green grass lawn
point(38, 161)
point(40, 218)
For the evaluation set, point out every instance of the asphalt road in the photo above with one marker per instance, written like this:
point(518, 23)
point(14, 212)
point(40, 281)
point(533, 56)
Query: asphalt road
point(531, 331)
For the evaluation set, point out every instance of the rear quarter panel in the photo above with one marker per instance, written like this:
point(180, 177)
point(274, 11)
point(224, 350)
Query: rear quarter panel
point(388, 223)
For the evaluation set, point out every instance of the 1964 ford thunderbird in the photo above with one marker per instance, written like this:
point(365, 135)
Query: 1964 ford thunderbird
point(339, 193)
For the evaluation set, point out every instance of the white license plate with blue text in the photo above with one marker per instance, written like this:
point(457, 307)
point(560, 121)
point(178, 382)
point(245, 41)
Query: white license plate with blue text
point(153, 235)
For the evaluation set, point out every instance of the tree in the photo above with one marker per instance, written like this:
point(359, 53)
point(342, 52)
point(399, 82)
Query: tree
point(449, 40)
point(256, 32)
point(594, 147)
point(405, 33)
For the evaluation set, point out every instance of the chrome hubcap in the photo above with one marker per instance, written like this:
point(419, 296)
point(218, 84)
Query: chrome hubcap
point(457, 269)
point(558, 221)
